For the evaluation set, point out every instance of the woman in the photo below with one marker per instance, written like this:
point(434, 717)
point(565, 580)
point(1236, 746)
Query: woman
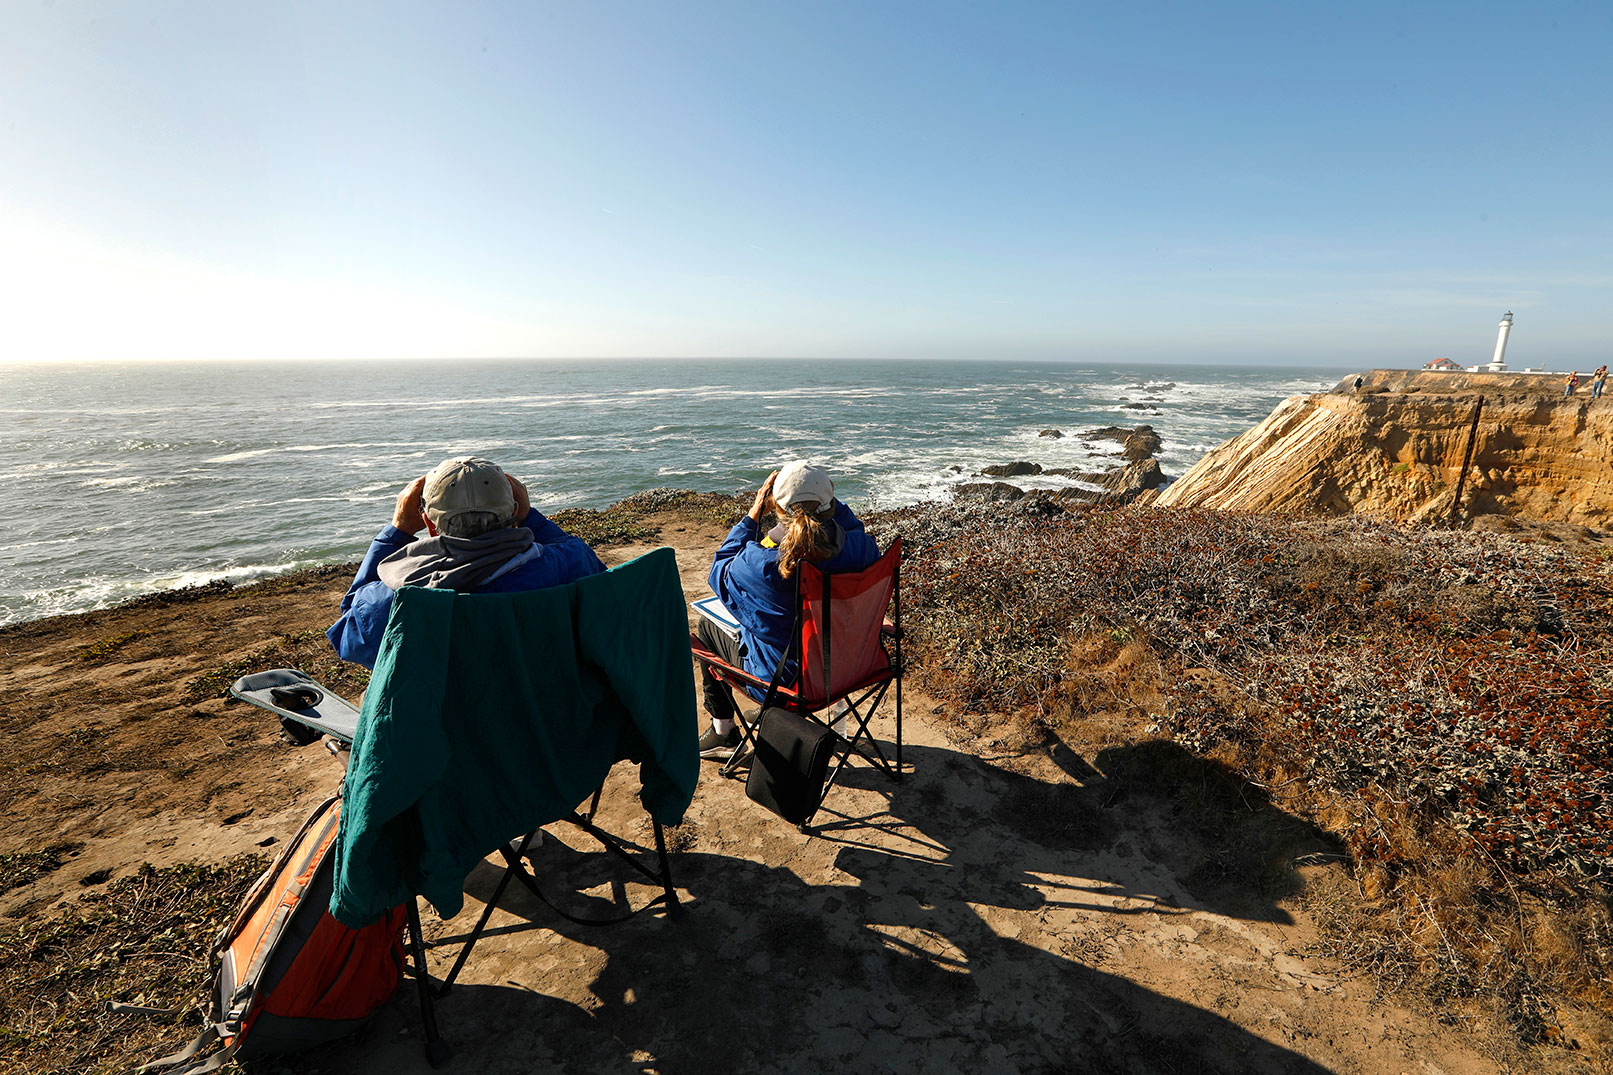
point(756, 582)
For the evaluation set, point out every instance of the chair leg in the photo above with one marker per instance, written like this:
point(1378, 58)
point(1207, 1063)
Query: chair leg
point(861, 712)
point(674, 909)
point(437, 1050)
point(513, 865)
point(898, 717)
point(613, 846)
point(864, 711)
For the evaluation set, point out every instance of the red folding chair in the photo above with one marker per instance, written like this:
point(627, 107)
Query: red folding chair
point(850, 651)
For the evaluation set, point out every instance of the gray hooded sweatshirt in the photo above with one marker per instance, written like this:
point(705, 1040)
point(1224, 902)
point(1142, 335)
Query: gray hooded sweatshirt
point(455, 563)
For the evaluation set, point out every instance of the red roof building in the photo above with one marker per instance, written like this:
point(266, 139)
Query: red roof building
point(1442, 364)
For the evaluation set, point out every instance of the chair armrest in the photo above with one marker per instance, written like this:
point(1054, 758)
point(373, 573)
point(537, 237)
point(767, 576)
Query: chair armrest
point(330, 715)
point(729, 673)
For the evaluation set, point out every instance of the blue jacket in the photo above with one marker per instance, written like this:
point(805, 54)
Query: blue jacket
point(356, 636)
point(745, 577)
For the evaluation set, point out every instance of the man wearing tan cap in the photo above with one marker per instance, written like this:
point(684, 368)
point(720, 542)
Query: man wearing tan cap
point(484, 537)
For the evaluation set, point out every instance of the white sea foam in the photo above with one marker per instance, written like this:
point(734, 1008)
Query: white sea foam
point(439, 404)
point(68, 470)
point(130, 481)
point(102, 592)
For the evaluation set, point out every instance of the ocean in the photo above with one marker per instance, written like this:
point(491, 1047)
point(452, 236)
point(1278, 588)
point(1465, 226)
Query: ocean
point(122, 479)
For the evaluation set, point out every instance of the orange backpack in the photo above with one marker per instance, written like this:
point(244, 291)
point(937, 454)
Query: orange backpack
point(290, 975)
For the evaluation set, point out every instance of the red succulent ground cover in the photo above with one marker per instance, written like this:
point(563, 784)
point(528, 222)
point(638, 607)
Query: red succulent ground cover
point(1463, 680)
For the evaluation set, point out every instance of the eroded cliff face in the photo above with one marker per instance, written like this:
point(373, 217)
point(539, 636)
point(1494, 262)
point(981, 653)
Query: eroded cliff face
point(1395, 450)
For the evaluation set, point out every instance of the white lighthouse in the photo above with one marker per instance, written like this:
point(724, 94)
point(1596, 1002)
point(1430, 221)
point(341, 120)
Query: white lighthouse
point(1498, 364)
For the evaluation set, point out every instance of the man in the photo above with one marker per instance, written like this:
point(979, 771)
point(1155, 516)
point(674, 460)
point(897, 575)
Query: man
point(485, 537)
point(1598, 382)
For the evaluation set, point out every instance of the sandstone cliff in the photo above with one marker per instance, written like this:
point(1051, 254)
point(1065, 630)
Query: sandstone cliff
point(1395, 449)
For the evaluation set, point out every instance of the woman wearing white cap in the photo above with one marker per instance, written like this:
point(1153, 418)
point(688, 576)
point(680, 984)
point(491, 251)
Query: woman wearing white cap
point(756, 582)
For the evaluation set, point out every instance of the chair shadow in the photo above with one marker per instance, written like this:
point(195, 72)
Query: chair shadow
point(911, 959)
point(1223, 845)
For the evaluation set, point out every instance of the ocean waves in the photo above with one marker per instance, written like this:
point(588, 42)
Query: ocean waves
point(154, 477)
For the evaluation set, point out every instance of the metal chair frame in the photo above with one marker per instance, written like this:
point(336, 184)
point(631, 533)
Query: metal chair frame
point(863, 698)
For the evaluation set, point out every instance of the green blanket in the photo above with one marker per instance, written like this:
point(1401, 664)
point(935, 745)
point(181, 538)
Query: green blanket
point(491, 714)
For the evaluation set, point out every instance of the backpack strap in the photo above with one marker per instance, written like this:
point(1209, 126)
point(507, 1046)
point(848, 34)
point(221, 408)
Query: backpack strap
point(210, 1033)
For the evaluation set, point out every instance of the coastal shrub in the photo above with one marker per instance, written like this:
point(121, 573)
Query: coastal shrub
point(602, 528)
point(103, 648)
point(1442, 701)
point(19, 868)
point(1463, 670)
point(144, 939)
point(307, 650)
point(623, 523)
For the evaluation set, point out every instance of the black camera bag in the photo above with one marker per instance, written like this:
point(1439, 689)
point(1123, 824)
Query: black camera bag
point(790, 765)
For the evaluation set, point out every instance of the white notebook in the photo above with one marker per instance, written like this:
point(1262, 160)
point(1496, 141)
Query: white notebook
point(715, 611)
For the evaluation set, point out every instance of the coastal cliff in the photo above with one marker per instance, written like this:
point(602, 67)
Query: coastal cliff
point(1395, 449)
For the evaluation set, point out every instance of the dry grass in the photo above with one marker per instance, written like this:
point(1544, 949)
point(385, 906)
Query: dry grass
point(623, 523)
point(1439, 701)
point(309, 651)
point(144, 940)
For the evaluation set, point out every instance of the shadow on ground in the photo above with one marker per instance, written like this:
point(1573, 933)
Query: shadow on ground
point(953, 932)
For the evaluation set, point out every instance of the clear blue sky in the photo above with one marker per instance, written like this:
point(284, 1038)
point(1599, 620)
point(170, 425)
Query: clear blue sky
point(1365, 184)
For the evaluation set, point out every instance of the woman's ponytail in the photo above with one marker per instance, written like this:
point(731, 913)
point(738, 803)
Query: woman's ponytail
point(808, 535)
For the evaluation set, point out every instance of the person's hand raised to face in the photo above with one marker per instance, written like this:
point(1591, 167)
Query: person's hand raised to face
point(762, 496)
point(409, 515)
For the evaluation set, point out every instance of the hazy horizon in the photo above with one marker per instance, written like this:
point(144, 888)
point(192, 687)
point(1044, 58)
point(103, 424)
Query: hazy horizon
point(1247, 183)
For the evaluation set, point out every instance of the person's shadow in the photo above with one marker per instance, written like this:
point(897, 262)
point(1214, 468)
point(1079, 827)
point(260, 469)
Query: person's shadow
point(972, 926)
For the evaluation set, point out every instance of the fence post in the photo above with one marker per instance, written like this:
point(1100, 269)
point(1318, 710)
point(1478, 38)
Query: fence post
point(1467, 458)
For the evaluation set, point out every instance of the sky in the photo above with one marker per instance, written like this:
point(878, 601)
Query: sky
point(1366, 184)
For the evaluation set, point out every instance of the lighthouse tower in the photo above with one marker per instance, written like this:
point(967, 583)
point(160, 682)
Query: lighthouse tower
point(1498, 364)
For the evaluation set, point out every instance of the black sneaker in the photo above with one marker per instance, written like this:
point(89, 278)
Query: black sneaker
point(713, 744)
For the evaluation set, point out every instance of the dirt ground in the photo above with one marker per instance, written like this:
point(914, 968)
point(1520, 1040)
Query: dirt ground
point(995, 911)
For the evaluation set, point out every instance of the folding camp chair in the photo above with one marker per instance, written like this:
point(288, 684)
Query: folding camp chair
point(633, 620)
point(309, 711)
point(850, 651)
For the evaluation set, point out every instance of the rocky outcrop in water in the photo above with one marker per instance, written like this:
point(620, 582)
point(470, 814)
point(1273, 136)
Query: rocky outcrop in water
point(1134, 478)
point(1012, 470)
point(1139, 442)
point(1396, 449)
point(1140, 475)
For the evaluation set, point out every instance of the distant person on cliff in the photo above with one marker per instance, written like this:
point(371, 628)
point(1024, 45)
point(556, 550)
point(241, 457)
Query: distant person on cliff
point(485, 537)
point(1573, 383)
point(1598, 382)
point(1359, 381)
point(753, 575)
